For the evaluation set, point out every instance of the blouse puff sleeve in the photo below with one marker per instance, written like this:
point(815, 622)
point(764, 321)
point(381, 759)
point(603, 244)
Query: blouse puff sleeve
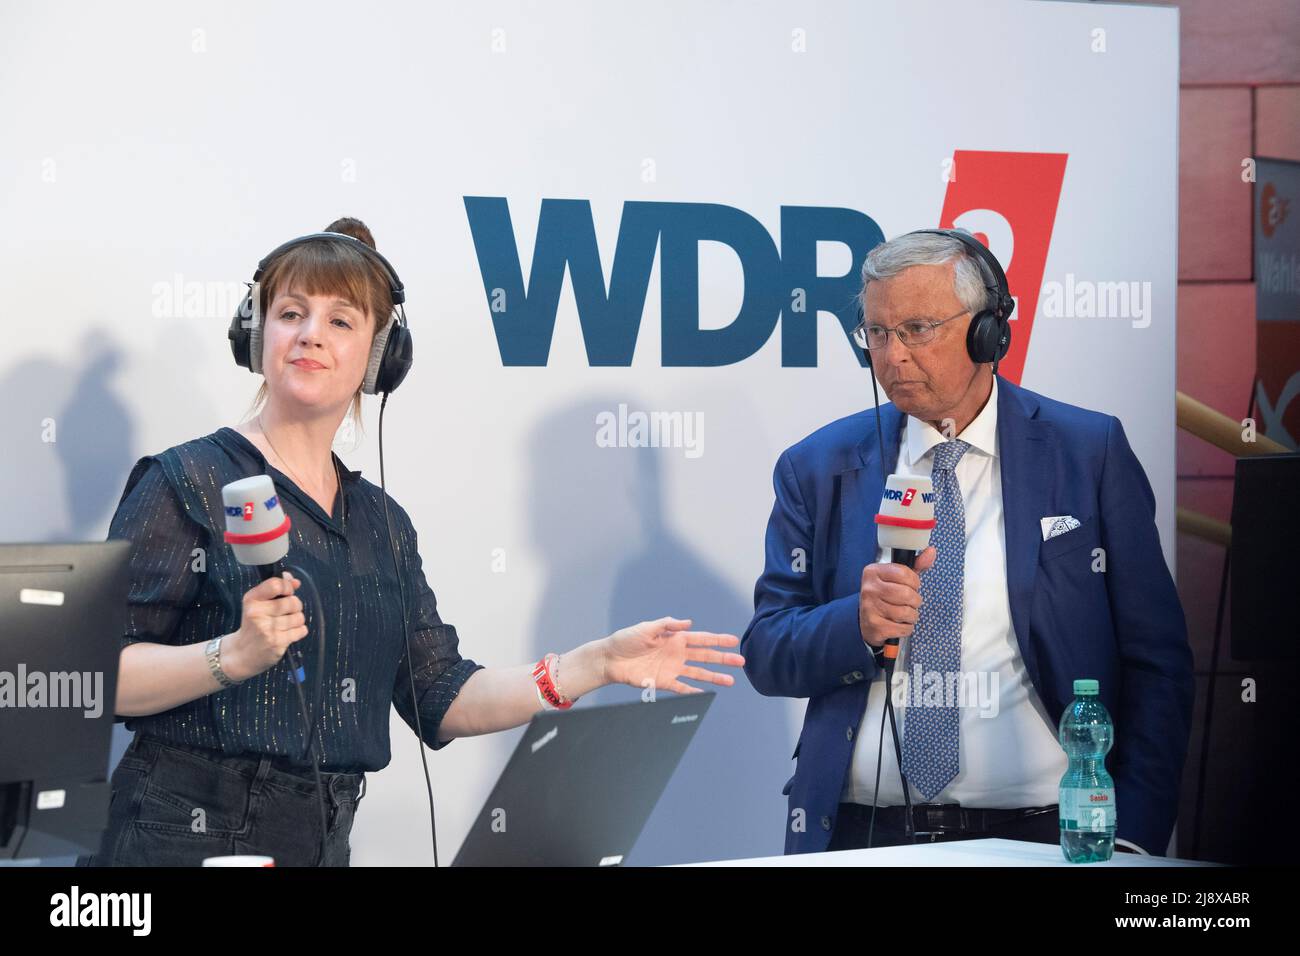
point(167, 558)
point(440, 671)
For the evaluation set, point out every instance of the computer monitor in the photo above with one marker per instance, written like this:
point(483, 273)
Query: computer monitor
point(62, 615)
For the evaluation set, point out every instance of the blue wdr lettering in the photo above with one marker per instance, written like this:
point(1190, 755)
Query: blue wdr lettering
point(778, 287)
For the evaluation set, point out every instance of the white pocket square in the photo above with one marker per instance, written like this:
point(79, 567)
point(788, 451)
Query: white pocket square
point(1058, 524)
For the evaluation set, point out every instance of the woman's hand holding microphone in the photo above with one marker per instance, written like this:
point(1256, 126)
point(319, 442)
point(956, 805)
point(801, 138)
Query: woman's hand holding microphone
point(272, 620)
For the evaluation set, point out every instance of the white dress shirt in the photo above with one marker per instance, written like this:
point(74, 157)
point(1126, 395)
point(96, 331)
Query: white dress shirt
point(1009, 754)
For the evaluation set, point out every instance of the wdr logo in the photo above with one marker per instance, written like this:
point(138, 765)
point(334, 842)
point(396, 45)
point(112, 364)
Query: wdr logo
point(1008, 200)
point(905, 498)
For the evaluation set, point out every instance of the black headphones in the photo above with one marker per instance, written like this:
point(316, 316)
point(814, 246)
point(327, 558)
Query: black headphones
point(989, 335)
point(391, 354)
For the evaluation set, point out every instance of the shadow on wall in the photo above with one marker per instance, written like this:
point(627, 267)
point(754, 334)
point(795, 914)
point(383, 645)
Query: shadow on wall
point(69, 441)
point(612, 560)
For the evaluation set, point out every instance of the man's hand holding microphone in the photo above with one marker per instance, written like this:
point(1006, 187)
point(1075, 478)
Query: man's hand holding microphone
point(889, 599)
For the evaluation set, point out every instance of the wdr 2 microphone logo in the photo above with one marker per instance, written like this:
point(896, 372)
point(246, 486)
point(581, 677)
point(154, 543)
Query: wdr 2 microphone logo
point(905, 498)
point(1008, 200)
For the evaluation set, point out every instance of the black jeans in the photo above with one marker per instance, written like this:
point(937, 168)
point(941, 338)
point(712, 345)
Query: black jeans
point(853, 820)
point(174, 805)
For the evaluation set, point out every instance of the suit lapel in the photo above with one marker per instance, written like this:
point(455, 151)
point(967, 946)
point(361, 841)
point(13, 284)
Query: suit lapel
point(1028, 488)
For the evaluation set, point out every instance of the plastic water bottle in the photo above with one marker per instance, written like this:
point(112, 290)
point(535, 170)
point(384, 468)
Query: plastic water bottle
point(1087, 801)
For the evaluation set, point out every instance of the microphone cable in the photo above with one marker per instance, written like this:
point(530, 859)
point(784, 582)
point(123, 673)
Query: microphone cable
point(891, 653)
point(406, 631)
point(298, 674)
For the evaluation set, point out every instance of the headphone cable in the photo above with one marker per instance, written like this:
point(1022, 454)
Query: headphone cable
point(406, 631)
point(889, 669)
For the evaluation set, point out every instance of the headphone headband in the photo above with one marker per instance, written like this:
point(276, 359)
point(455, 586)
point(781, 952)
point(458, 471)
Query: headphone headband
point(395, 287)
point(1003, 303)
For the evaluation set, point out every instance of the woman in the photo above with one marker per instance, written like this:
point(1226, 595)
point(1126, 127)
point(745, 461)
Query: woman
point(216, 766)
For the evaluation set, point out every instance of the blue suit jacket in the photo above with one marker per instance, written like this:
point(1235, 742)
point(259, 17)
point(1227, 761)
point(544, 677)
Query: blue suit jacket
point(1124, 627)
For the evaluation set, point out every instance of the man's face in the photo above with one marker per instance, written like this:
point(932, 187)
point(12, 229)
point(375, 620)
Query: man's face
point(925, 381)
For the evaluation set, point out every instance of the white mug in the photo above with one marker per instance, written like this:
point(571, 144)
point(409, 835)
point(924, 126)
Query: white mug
point(239, 861)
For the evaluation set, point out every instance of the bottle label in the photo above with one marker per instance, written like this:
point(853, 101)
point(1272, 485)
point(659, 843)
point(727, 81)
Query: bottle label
point(1088, 808)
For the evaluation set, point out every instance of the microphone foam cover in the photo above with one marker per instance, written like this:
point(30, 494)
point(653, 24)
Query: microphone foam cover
point(906, 514)
point(253, 512)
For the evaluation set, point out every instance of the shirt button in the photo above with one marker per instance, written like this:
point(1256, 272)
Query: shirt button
point(826, 823)
point(848, 732)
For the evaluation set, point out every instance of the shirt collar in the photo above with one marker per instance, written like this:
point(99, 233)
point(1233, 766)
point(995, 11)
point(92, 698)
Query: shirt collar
point(232, 437)
point(982, 433)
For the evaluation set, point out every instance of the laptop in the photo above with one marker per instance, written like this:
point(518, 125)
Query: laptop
point(582, 783)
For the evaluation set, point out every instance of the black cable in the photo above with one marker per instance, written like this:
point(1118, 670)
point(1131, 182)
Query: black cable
point(318, 615)
point(889, 669)
point(880, 435)
point(888, 711)
point(315, 767)
point(294, 662)
point(406, 630)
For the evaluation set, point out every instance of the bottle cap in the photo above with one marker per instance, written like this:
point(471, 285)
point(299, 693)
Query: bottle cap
point(1085, 686)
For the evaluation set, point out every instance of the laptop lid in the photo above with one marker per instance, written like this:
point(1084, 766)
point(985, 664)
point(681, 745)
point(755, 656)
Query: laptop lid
point(581, 784)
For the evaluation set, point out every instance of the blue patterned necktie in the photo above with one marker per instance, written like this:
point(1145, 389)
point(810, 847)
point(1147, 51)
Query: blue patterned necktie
point(930, 758)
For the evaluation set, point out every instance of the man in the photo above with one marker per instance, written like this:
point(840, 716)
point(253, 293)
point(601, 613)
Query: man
point(1048, 568)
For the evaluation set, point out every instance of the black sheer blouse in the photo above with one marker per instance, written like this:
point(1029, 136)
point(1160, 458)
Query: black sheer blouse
point(186, 588)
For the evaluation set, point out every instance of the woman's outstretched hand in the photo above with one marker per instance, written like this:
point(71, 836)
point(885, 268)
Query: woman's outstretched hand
point(659, 654)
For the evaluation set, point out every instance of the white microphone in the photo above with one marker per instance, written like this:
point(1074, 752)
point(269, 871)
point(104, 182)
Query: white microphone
point(906, 517)
point(257, 529)
point(905, 520)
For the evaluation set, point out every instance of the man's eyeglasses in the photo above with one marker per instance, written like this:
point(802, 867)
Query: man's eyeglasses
point(910, 333)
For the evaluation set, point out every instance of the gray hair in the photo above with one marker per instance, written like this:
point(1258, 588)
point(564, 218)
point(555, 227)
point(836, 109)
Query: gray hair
point(971, 277)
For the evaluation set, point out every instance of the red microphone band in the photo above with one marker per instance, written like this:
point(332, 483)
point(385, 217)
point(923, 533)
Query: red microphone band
point(920, 524)
point(262, 538)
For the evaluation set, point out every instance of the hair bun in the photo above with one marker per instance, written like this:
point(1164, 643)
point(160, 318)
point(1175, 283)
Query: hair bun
point(354, 228)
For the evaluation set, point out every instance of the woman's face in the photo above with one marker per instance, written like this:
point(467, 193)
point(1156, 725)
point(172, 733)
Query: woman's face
point(315, 349)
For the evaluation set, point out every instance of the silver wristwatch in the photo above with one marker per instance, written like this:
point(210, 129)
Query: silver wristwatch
point(213, 656)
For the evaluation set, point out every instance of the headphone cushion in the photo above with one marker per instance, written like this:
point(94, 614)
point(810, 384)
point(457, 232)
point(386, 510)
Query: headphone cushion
point(982, 337)
point(255, 347)
point(378, 350)
point(239, 333)
point(396, 361)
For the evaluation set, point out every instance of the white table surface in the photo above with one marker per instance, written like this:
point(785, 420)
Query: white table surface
point(956, 853)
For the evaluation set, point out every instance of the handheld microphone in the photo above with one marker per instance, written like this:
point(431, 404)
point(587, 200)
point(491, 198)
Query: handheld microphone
point(905, 519)
point(257, 530)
